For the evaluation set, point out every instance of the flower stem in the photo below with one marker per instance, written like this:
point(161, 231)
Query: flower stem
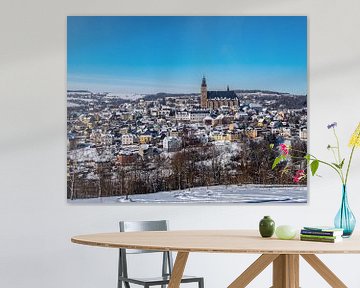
point(350, 159)
point(338, 171)
point(333, 152)
point(339, 155)
point(348, 166)
point(337, 145)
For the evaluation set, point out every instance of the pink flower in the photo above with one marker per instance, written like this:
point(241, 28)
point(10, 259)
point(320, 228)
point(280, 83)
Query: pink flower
point(299, 174)
point(284, 149)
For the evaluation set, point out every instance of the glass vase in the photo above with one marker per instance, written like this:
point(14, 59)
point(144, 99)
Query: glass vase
point(345, 219)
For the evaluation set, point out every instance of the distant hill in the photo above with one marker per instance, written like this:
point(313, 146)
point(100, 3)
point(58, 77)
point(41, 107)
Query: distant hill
point(152, 97)
point(78, 91)
point(163, 95)
point(259, 91)
point(265, 92)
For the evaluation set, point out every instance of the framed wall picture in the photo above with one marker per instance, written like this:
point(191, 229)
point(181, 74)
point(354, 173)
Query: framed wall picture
point(185, 109)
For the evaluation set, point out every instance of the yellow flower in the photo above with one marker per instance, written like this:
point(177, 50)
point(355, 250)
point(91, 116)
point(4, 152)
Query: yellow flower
point(355, 138)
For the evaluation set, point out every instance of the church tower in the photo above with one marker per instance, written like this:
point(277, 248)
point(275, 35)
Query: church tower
point(203, 93)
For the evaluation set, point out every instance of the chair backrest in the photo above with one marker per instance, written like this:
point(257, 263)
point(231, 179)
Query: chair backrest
point(135, 226)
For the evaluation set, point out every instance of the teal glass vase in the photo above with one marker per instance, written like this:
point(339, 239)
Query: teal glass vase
point(345, 219)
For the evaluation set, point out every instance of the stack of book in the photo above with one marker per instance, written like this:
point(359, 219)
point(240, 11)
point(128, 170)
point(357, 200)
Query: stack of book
point(321, 234)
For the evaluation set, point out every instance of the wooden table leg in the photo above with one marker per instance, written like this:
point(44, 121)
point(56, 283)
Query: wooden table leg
point(293, 264)
point(253, 270)
point(286, 271)
point(178, 270)
point(324, 271)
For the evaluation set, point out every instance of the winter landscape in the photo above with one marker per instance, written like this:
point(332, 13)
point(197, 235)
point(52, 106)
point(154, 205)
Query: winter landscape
point(203, 141)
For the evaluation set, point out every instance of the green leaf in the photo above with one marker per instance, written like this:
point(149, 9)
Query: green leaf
point(276, 162)
point(314, 166)
point(339, 166)
point(342, 163)
point(271, 146)
point(307, 157)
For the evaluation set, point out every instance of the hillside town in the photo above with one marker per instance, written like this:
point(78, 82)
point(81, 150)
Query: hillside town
point(119, 146)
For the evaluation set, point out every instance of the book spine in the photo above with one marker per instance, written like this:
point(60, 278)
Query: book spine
point(318, 239)
point(318, 236)
point(319, 233)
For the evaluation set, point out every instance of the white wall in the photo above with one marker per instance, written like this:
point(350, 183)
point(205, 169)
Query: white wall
point(36, 223)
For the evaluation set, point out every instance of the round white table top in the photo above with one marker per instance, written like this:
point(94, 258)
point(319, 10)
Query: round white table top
point(218, 241)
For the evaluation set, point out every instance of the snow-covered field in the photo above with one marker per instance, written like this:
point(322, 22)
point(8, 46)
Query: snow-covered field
point(214, 194)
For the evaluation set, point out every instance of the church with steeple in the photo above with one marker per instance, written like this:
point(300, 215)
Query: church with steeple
point(216, 99)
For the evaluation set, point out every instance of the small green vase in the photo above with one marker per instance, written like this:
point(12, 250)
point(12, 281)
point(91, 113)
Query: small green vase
point(267, 227)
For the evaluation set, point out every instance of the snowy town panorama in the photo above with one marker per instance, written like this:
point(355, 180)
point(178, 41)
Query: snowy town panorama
point(207, 146)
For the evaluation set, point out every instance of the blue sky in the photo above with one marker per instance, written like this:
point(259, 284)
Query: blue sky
point(149, 54)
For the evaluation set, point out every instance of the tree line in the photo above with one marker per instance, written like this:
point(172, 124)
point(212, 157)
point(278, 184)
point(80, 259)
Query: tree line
point(194, 166)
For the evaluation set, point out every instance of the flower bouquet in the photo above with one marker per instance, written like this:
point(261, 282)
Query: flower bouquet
point(292, 158)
